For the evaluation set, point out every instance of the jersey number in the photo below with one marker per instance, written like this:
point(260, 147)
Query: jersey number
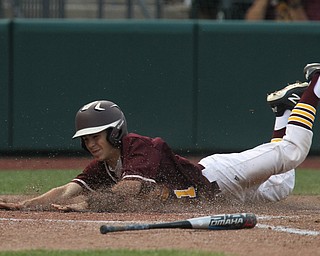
point(190, 192)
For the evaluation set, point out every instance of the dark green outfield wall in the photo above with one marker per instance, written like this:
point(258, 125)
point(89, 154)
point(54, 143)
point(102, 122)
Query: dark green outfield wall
point(144, 67)
point(199, 85)
point(239, 63)
point(4, 84)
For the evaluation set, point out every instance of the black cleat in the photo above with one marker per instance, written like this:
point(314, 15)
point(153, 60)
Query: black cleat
point(286, 98)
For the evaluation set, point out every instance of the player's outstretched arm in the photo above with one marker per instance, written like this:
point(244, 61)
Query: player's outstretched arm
point(119, 197)
point(56, 195)
point(77, 207)
point(127, 188)
point(10, 206)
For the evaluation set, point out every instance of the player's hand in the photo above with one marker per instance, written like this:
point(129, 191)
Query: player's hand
point(10, 206)
point(80, 207)
point(62, 208)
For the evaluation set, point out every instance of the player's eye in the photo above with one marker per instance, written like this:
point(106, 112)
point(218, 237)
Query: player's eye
point(96, 137)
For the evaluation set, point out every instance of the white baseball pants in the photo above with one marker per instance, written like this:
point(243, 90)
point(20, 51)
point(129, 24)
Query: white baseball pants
point(264, 173)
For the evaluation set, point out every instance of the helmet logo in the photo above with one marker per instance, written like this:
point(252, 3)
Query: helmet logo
point(97, 107)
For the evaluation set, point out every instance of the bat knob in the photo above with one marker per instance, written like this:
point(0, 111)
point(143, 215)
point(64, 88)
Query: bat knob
point(104, 229)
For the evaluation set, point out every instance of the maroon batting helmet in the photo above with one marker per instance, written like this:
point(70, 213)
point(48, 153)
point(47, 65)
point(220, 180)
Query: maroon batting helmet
point(101, 115)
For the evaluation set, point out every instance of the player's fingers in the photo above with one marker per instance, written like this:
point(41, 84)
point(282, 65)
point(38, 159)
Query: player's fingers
point(10, 206)
point(58, 207)
point(63, 208)
point(3, 205)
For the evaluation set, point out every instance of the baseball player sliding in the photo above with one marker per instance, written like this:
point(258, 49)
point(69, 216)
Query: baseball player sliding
point(128, 167)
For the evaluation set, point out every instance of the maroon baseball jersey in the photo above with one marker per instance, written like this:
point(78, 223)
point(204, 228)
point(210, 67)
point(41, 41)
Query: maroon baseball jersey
point(149, 160)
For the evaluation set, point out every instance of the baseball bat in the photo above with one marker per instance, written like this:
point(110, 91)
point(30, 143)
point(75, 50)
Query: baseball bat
point(214, 222)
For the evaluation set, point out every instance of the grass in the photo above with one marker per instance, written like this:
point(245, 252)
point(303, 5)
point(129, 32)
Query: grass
point(40, 181)
point(307, 182)
point(33, 182)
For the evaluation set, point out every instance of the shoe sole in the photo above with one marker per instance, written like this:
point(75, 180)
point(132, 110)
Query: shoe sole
point(312, 65)
point(278, 95)
point(310, 68)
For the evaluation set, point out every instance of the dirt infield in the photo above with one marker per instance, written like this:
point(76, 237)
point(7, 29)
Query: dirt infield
point(290, 227)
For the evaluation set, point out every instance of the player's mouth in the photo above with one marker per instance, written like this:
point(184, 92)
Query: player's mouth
point(95, 153)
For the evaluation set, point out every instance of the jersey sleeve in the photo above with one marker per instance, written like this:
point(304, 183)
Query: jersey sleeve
point(94, 177)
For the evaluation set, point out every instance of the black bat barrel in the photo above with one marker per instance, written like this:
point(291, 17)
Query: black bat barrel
point(178, 224)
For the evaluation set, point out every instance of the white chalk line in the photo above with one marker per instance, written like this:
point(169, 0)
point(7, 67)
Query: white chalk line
point(289, 230)
point(285, 229)
point(112, 221)
point(267, 217)
point(262, 226)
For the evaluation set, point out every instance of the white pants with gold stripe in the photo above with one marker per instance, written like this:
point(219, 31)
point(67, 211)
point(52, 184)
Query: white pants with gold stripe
point(264, 173)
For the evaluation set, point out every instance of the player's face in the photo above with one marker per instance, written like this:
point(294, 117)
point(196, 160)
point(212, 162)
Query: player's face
point(99, 147)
